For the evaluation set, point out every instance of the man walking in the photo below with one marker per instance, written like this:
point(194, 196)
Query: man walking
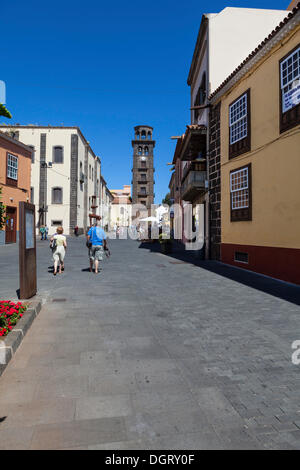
point(97, 237)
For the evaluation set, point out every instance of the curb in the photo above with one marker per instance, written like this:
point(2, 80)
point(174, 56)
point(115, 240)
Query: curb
point(10, 344)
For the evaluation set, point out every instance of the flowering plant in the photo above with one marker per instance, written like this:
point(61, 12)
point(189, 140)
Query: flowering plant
point(10, 313)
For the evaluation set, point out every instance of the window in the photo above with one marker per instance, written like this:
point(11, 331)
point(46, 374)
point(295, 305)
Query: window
point(143, 135)
point(241, 257)
point(143, 164)
point(12, 169)
point(57, 196)
point(143, 190)
point(239, 125)
point(201, 96)
point(240, 194)
point(140, 151)
point(32, 153)
point(146, 151)
point(90, 171)
point(149, 135)
point(290, 90)
point(58, 154)
point(144, 176)
point(92, 174)
point(32, 195)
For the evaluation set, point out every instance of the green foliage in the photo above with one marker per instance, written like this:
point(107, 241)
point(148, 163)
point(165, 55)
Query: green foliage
point(167, 199)
point(4, 111)
point(2, 212)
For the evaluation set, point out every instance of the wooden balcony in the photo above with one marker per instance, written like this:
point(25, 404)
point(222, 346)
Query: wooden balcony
point(193, 184)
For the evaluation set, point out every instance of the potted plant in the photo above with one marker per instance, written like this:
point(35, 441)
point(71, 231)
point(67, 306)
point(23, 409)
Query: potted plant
point(165, 244)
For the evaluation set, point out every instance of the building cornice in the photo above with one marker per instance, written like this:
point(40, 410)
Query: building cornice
point(15, 142)
point(29, 126)
point(201, 34)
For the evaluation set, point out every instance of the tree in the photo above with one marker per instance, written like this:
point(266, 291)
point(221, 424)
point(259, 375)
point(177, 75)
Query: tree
point(4, 111)
point(2, 212)
point(167, 199)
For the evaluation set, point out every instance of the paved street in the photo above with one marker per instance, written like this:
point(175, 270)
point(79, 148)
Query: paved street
point(152, 353)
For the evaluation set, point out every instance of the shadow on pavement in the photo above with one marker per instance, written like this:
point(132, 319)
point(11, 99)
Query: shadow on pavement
point(282, 290)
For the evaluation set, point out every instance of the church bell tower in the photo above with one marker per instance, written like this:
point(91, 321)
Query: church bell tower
point(143, 169)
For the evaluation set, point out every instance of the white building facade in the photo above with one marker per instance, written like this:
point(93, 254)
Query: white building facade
point(106, 205)
point(65, 176)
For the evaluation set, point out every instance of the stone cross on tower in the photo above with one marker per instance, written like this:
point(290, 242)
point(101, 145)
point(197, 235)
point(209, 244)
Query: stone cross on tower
point(143, 169)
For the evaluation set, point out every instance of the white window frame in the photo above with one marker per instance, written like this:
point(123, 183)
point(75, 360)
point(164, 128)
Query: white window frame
point(290, 79)
point(12, 167)
point(238, 119)
point(245, 187)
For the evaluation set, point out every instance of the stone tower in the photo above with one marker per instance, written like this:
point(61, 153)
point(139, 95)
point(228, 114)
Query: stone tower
point(143, 170)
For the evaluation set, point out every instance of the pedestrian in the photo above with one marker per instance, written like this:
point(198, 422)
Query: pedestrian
point(76, 231)
point(97, 238)
point(42, 231)
point(59, 244)
point(46, 232)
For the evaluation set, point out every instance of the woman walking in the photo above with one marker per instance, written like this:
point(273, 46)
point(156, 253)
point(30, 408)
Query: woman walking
point(59, 251)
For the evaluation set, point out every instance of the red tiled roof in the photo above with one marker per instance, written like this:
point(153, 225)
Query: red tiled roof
point(259, 47)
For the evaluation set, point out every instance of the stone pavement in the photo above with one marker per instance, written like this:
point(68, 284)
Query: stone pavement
point(152, 353)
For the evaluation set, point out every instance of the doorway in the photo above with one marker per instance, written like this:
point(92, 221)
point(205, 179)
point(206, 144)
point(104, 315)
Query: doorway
point(11, 225)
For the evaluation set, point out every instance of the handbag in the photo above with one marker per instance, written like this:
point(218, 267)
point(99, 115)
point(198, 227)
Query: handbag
point(53, 245)
point(89, 244)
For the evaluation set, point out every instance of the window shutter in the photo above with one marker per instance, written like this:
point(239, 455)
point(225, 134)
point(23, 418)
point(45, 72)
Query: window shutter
point(242, 145)
point(241, 213)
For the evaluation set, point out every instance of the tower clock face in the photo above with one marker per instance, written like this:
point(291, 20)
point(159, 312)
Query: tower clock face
point(143, 159)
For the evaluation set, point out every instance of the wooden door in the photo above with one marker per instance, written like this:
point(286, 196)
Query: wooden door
point(11, 225)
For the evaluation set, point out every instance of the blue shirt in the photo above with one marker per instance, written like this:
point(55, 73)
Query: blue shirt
point(97, 235)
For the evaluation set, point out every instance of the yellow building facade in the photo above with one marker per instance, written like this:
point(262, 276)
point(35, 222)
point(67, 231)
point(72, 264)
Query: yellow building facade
point(259, 111)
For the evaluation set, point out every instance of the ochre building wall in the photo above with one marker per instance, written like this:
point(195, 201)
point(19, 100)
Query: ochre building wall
point(272, 237)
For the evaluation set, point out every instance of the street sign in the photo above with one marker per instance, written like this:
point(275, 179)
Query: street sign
point(27, 250)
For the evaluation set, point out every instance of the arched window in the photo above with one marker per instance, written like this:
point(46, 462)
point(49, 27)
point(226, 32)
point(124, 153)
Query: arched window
point(149, 135)
point(146, 151)
point(140, 150)
point(57, 196)
point(58, 154)
point(143, 134)
point(137, 136)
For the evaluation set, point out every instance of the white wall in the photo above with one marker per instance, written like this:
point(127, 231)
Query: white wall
point(59, 174)
point(233, 34)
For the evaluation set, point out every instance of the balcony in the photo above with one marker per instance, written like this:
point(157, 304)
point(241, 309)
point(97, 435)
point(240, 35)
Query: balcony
point(142, 181)
point(193, 184)
point(143, 194)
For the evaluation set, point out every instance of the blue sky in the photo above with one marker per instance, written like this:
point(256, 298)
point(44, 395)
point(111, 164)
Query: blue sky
point(106, 67)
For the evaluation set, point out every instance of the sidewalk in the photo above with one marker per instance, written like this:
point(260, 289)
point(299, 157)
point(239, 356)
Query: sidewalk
point(152, 353)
